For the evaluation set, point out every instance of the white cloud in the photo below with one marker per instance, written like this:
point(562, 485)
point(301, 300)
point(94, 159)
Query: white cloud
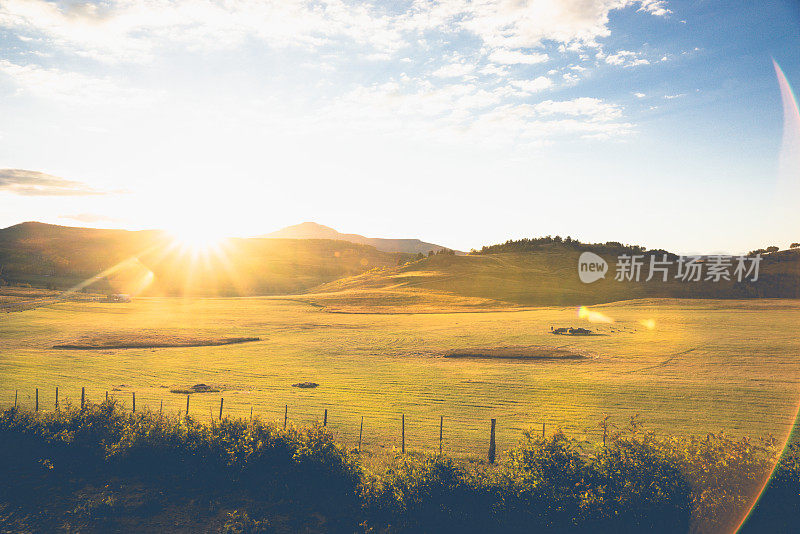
point(639, 95)
point(592, 108)
point(516, 57)
point(525, 23)
point(532, 86)
point(450, 99)
point(131, 30)
point(454, 70)
point(655, 7)
point(467, 113)
point(625, 58)
point(672, 97)
point(72, 87)
point(495, 70)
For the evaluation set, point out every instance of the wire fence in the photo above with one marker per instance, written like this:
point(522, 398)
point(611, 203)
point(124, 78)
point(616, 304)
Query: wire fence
point(373, 430)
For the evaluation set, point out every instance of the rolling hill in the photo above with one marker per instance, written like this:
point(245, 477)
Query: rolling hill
point(151, 262)
point(311, 230)
point(547, 276)
point(350, 277)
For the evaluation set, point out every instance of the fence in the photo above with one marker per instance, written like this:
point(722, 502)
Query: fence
point(455, 436)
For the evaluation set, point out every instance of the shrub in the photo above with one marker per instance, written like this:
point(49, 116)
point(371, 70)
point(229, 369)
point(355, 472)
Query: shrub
point(637, 482)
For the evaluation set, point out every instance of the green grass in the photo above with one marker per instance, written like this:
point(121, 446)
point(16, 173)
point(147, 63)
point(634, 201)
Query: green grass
point(707, 366)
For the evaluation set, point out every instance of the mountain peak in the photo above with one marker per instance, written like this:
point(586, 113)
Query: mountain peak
point(305, 230)
point(312, 230)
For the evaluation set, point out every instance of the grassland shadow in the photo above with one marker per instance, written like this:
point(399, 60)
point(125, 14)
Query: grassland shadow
point(105, 344)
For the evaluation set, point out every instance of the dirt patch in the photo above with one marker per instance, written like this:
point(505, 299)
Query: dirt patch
point(305, 385)
point(516, 353)
point(197, 388)
point(149, 341)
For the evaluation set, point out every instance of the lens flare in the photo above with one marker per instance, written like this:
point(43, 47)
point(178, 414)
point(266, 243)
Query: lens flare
point(650, 324)
point(788, 183)
point(789, 165)
point(593, 316)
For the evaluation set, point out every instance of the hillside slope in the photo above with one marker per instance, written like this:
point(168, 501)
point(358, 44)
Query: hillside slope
point(152, 263)
point(549, 277)
point(311, 230)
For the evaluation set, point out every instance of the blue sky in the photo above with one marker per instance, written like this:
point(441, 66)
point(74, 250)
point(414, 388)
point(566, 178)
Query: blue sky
point(463, 123)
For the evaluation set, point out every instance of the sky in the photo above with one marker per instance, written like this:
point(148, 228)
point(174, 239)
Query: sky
point(464, 123)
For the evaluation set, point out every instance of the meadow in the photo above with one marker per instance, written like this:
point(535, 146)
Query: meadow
point(685, 367)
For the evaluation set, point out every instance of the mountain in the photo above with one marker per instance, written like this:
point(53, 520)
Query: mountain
point(311, 230)
point(349, 276)
point(150, 262)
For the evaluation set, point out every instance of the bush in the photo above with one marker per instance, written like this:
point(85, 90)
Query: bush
point(427, 493)
point(638, 482)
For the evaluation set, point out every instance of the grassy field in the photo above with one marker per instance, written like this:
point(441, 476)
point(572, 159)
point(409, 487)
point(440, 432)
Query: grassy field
point(704, 366)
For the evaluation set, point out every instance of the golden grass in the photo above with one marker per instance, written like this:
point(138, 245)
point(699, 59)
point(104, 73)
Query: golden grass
point(705, 366)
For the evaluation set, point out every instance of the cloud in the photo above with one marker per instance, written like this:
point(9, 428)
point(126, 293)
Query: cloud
point(639, 95)
point(593, 108)
point(475, 57)
point(525, 23)
point(672, 97)
point(532, 86)
point(468, 113)
point(130, 30)
point(72, 87)
point(34, 183)
point(655, 7)
point(515, 57)
point(454, 70)
point(625, 58)
point(500, 71)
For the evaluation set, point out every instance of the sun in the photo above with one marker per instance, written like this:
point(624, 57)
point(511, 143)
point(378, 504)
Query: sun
point(196, 237)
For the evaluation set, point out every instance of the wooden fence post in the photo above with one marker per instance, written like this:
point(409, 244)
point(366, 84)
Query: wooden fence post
point(360, 433)
point(492, 447)
point(325, 418)
point(16, 392)
point(441, 429)
point(251, 414)
point(161, 406)
point(403, 431)
point(221, 400)
point(285, 415)
point(187, 406)
point(134, 400)
point(83, 397)
point(106, 396)
point(37, 400)
point(56, 398)
point(542, 430)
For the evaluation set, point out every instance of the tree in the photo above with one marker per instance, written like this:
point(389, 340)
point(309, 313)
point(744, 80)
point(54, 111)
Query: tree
point(794, 245)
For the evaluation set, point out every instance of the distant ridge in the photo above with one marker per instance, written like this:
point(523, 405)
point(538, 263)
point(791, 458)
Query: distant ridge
point(312, 230)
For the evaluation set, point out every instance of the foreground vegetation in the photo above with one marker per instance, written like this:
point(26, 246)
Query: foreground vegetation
point(101, 468)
